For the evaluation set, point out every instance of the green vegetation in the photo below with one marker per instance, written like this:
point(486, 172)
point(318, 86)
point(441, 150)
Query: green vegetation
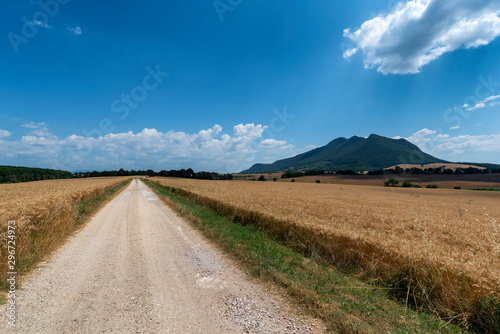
point(484, 189)
point(262, 178)
point(339, 297)
point(184, 173)
point(318, 181)
point(407, 184)
point(275, 179)
point(391, 182)
point(432, 185)
point(355, 153)
point(11, 174)
point(457, 187)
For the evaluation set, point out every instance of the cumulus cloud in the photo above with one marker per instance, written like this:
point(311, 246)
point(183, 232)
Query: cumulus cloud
point(455, 127)
point(4, 133)
point(445, 145)
point(208, 149)
point(418, 32)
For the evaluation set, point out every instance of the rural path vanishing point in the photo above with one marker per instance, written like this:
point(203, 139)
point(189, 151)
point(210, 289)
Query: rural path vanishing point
point(136, 267)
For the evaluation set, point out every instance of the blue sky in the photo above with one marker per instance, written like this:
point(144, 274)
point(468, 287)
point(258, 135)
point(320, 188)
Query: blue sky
point(220, 85)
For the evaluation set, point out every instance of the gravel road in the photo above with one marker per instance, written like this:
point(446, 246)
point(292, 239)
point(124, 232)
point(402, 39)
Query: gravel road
point(136, 267)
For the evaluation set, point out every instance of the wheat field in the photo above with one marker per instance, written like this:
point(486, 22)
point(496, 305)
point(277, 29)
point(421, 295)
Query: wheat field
point(386, 227)
point(45, 213)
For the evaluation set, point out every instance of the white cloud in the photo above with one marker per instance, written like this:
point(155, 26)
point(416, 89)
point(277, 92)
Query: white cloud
point(4, 133)
point(445, 145)
point(208, 149)
point(40, 24)
point(479, 105)
point(482, 104)
point(455, 127)
point(491, 98)
point(349, 52)
point(271, 143)
point(38, 129)
point(418, 32)
point(33, 125)
point(77, 30)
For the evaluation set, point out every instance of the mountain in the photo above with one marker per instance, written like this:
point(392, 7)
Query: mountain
point(356, 153)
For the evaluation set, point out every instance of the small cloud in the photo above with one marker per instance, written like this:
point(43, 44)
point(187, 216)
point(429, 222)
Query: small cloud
point(33, 125)
point(271, 143)
point(492, 104)
point(39, 129)
point(4, 133)
point(480, 105)
point(349, 52)
point(75, 30)
point(40, 24)
point(455, 127)
point(491, 98)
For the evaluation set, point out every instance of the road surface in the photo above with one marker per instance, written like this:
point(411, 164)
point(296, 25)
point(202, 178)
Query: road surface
point(136, 267)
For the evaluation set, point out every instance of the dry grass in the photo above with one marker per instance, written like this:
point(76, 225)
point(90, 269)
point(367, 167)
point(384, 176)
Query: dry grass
point(440, 247)
point(45, 213)
point(491, 180)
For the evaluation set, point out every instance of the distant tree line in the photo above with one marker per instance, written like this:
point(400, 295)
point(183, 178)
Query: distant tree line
point(438, 170)
point(184, 173)
point(11, 174)
point(289, 175)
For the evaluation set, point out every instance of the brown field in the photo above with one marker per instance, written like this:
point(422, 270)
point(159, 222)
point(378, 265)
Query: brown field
point(490, 180)
point(435, 165)
point(454, 234)
point(44, 212)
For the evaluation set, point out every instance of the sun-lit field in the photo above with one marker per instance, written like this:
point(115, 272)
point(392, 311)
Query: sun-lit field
point(22, 200)
point(44, 213)
point(457, 230)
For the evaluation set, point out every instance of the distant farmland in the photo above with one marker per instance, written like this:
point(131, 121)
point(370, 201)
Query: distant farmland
point(445, 243)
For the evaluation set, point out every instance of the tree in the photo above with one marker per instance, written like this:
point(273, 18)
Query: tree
point(262, 178)
point(391, 182)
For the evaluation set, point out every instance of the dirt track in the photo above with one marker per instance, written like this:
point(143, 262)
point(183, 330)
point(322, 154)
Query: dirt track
point(138, 268)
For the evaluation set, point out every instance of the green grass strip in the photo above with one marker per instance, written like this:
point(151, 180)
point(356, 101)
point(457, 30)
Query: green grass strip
point(344, 302)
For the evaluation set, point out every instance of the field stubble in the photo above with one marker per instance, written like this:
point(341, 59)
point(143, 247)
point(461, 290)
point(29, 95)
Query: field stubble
point(436, 247)
point(45, 212)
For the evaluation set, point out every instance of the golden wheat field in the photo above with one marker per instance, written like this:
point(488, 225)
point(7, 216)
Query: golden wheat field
point(459, 230)
point(21, 200)
point(45, 213)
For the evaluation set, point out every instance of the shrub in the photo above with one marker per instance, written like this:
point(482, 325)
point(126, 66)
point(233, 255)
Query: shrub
point(432, 185)
point(293, 180)
point(391, 182)
point(457, 187)
point(407, 184)
point(318, 181)
point(262, 178)
point(275, 179)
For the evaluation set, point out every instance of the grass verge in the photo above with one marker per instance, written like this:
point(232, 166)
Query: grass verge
point(346, 303)
point(48, 230)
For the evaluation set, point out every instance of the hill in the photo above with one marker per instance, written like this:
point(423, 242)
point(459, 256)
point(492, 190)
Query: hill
point(356, 153)
point(10, 174)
